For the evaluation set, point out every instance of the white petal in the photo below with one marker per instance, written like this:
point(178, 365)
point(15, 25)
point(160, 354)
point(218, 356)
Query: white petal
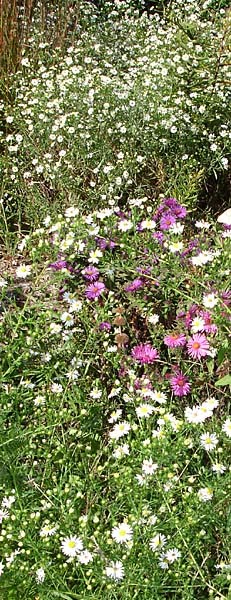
point(225, 217)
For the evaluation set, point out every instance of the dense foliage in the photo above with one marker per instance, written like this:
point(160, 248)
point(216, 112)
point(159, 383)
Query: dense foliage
point(115, 309)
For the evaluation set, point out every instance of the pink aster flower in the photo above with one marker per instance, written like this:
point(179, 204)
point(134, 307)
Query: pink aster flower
point(174, 340)
point(144, 353)
point(179, 384)
point(198, 346)
point(136, 284)
point(167, 220)
point(90, 273)
point(209, 327)
point(95, 290)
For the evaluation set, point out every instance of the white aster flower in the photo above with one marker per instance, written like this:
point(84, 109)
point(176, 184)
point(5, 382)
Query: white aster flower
point(125, 225)
point(56, 388)
point(152, 520)
point(3, 515)
point(85, 557)
point(226, 427)
point(96, 394)
point(75, 306)
point(175, 423)
point(197, 324)
point(104, 213)
point(122, 533)
point(226, 234)
point(47, 221)
point(157, 542)
point(72, 375)
point(120, 430)
point(95, 256)
point(114, 392)
point(72, 211)
point(47, 531)
point(93, 230)
point(67, 242)
point(3, 282)
point(121, 451)
point(67, 319)
point(115, 415)
point(55, 328)
point(39, 400)
point(197, 414)
point(11, 557)
point(148, 224)
point(210, 403)
point(218, 468)
point(70, 546)
point(144, 392)
point(163, 563)
point(23, 271)
point(153, 319)
point(202, 258)
point(176, 247)
point(149, 467)
point(223, 565)
point(80, 246)
point(115, 570)
point(205, 494)
point(158, 433)
point(112, 349)
point(8, 501)
point(141, 479)
point(159, 397)
point(209, 441)
point(172, 554)
point(210, 300)
point(225, 162)
point(204, 412)
point(23, 243)
point(176, 228)
point(202, 224)
point(40, 575)
point(144, 410)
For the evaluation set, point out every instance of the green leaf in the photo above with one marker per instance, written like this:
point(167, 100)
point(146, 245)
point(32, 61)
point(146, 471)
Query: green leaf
point(210, 366)
point(226, 380)
point(221, 354)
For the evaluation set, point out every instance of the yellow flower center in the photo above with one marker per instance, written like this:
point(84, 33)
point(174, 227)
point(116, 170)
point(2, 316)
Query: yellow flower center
point(122, 532)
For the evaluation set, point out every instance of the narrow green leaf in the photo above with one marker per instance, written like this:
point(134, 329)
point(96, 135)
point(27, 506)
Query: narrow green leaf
point(226, 380)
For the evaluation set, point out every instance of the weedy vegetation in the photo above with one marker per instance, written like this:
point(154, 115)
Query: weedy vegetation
point(115, 301)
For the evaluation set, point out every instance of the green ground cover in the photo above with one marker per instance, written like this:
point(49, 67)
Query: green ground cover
point(115, 308)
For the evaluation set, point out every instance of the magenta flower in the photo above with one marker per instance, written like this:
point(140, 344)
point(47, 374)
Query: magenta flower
point(179, 384)
point(144, 353)
point(209, 327)
point(105, 326)
point(159, 236)
point(90, 273)
point(198, 346)
point(95, 290)
point(226, 297)
point(191, 314)
point(58, 265)
point(134, 285)
point(167, 220)
point(180, 211)
point(175, 340)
